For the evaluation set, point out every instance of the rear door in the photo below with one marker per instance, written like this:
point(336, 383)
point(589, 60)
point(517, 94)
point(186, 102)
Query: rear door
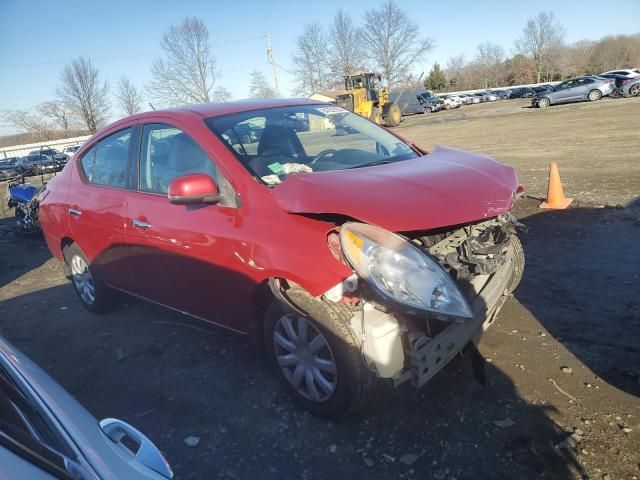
point(184, 256)
point(96, 204)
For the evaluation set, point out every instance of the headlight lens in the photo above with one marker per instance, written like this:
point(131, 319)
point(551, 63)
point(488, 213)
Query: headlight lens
point(398, 269)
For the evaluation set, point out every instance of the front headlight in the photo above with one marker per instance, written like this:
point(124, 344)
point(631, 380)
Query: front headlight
point(400, 270)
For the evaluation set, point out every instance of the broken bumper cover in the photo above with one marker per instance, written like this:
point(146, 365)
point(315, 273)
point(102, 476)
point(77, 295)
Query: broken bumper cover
point(428, 358)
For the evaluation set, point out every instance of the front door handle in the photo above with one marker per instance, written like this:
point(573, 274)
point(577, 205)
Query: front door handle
point(140, 224)
point(74, 211)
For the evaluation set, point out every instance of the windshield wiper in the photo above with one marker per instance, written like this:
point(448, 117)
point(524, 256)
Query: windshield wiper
point(373, 164)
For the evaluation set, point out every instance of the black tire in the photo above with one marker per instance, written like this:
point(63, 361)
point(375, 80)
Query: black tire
point(634, 90)
point(376, 115)
point(428, 110)
point(392, 115)
point(594, 95)
point(104, 298)
point(519, 260)
point(543, 102)
point(352, 381)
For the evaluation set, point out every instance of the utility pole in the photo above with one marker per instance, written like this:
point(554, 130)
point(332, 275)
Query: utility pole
point(272, 61)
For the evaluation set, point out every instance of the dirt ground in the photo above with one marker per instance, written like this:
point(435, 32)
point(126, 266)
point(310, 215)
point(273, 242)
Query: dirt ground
point(597, 145)
point(563, 378)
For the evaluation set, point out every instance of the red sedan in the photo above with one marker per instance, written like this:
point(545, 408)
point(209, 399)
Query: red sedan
point(346, 252)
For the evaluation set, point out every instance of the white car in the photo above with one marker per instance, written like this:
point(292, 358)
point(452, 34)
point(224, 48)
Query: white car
point(451, 101)
point(624, 72)
point(70, 150)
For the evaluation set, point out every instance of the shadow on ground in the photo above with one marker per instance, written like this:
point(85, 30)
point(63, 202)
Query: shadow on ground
point(581, 283)
point(172, 378)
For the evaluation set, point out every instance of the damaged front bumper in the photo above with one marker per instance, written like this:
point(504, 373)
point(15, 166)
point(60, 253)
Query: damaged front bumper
point(427, 356)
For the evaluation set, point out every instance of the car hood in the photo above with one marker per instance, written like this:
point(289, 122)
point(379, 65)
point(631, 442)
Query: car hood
point(446, 187)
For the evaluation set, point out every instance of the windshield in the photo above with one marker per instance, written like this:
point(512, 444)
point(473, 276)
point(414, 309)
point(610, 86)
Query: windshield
point(277, 142)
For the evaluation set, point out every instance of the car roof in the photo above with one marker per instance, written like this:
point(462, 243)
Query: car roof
point(206, 110)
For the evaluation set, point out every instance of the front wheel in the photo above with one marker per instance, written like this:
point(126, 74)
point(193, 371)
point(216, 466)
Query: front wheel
point(543, 102)
point(594, 95)
point(634, 91)
point(94, 295)
point(393, 115)
point(519, 261)
point(316, 357)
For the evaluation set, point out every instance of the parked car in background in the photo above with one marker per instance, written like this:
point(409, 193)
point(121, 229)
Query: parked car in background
point(8, 167)
point(524, 92)
point(433, 99)
point(624, 72)
point(451, 101)
point(45, 433)
point(542, 88)
point(37, 164)
point(409, 102)
point(70, 150)
point(630, 87)
point(50, 152)
point(625, 85)
point(577, 89)
point(471, 98)
point(286, 244)
point(500, 94)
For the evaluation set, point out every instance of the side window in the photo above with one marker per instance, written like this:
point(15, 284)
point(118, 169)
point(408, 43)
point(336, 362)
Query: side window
point(166, 153)
point(87, 163)
point(106, 162)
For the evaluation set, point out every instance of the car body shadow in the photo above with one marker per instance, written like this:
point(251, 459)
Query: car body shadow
point(582, 281)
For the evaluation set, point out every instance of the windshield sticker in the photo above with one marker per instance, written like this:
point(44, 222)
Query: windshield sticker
point(275, 167)
point(330, 110)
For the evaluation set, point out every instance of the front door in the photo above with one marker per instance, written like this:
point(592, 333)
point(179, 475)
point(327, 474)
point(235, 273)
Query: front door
point(184, 256)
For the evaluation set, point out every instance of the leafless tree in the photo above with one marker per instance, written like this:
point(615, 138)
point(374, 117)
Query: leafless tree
point(129, 97)
point(489, 63)
point(58, 112)
point(29, 123)
point(392, 41)
point(345, 47)
point(259, 87)
point(455, 70)
point(220, 94)
point(188, 73)
point(82, 92)
point(310, 59)
point(541, 39)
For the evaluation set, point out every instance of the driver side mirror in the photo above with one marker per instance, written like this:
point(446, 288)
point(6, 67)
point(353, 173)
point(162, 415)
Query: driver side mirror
point(192, 189)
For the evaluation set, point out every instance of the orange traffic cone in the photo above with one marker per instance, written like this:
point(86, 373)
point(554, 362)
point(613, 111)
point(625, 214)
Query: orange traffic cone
point(555, 193)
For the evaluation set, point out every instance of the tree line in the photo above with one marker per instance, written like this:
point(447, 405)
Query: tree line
point(540, 55)
point(386, 40)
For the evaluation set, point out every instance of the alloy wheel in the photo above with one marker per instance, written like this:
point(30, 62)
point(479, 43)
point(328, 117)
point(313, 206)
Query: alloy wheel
point(82, 279)
point(594, 95)
point(634, 91)
point(305, 358)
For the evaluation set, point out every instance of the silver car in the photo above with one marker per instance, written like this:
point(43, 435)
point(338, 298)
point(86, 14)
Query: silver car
point(630, 87)
point(45, 433)
point(577, 89)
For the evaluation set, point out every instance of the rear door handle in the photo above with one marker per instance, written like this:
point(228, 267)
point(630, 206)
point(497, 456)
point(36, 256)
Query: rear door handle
point(73, 211)
point(140, 224)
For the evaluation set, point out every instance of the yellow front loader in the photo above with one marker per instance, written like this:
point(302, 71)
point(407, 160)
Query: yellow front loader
point(367, 99)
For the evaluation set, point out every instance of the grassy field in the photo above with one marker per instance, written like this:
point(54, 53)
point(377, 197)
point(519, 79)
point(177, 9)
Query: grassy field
point(597, 145)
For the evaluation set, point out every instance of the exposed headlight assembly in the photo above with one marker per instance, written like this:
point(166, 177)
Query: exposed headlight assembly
point(400, 270)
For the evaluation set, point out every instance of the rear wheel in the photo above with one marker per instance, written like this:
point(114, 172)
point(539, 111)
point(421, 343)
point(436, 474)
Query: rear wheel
point(94, 295)
point(428, 110)
point(594, 95)
point(393, 115)
point(316, 357)
point(634, 91)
